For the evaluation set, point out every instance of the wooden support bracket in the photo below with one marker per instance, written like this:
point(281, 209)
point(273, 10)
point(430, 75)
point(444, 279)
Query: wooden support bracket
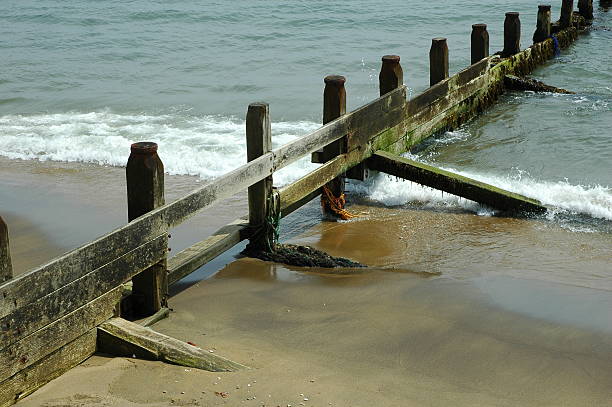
point(453, 183)
point(120, 337)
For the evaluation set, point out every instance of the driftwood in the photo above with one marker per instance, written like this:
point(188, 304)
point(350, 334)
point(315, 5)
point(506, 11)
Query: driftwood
point(123, 338)
point(512, 82)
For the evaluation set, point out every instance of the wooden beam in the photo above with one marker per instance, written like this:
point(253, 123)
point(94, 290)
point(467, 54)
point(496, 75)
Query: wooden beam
point(259, 142)
point(438, 61)
point(368, 120)
point(6, 267)
point(37, 314)
point(453, 183)
point(48, 339)
point(145, 192)
point(479, 43)
point(512, 35)
point(314, 180)
point(194, 257)
point(71, 266)
point(155, 318)
point(50, 367)
point(124, 338)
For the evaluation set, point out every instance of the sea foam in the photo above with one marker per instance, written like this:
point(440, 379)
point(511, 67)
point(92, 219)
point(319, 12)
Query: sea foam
point(209, 146)
point(562, 196)
point(205, 146)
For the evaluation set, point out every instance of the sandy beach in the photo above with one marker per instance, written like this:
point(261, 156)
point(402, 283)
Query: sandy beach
point(456, 309)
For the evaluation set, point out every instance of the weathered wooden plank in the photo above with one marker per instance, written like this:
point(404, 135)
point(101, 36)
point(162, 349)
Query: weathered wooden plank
point(25, 320)
point(155, 318)
point(54, 365)
point(373, 115)
point(123, 338)
point(194, 257)
point(453, 183)
point(41, 343)
point(314, 180)
point(43, 280)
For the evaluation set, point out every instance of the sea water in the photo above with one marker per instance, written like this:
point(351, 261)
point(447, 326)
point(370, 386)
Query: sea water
point(82, 80)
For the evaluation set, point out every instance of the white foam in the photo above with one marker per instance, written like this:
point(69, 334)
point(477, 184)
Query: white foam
point(206, 146)
point(594, 200)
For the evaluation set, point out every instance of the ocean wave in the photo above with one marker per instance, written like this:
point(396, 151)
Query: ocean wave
point(205, 146)
point(562, 196)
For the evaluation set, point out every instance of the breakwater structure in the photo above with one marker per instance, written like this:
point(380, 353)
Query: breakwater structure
point(54, 317)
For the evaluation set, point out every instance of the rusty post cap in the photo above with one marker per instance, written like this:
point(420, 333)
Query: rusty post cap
point(336, 80)
point(144, 147)
point(544, 7)
point(479, 27)
point(512, 14)
point(393, 59)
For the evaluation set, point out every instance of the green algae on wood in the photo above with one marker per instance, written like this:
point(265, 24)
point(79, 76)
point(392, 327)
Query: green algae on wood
point(453, 183)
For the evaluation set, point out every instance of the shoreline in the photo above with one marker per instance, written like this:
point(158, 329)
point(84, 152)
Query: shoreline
point(503, 323)
point(373, 339)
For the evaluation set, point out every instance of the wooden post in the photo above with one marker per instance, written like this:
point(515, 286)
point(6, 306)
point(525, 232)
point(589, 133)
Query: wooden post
point(259, 142)
point(479, 42)
point(391, 74)
point(145, 191)
point(334, 106)
point(542, 31)
point(567, 13)
point(6, 267)
point(585, 8)
point(438, 61)
point(512, 35)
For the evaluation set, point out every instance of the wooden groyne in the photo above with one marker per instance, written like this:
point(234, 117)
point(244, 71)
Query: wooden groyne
point(57, 315)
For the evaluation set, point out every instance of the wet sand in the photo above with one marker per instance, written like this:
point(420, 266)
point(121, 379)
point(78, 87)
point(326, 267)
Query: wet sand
point(380, 338)
point(53, 207)
point(457, 309)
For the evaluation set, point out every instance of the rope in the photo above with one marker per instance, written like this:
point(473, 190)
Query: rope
point(269, 230)
point(556, 45)
point(335, 205)
point(272, 221)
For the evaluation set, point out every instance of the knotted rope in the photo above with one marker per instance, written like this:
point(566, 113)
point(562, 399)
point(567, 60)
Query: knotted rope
point(336, 205)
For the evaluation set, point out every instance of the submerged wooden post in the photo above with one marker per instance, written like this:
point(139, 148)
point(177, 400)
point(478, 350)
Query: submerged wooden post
point(542, 31)
point(479, 42)
point(259, 142)
point(512, 35)
point(585, 8)
point(567, 13)
point(334, 106)
point(391, 74)
point(6, 267)
point(438, 61)
point(145, 190)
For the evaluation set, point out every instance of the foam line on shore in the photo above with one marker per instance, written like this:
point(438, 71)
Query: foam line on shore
point(205, 146)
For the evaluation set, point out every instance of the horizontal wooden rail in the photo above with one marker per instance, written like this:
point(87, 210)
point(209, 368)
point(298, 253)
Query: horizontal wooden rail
point(26, 381)
point(24, 320)
point(42, 342)
point(194, 257)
